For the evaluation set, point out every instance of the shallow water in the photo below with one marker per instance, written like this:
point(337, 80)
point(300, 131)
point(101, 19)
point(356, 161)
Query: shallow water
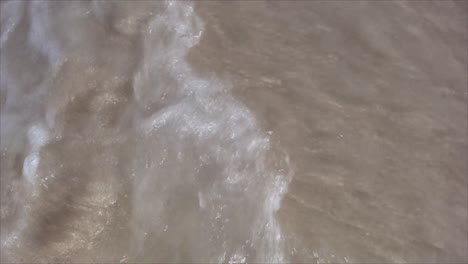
point(247, 131)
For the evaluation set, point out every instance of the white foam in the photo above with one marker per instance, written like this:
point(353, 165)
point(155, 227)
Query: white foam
point(38, 137)
point(31, 162)
point(205, 180)
point(221, 130)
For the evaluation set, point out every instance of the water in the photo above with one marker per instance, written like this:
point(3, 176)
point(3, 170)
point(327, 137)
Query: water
point(233, 132)
point(121, 140)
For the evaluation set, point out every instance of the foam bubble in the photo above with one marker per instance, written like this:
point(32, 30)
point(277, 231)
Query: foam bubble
point(235, 176)
point(143, 149)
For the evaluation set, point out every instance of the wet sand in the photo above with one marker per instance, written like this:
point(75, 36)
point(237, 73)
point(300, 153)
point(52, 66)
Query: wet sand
point(369, 98)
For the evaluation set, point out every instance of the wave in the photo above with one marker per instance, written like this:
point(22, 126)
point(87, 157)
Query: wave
point(122, 141)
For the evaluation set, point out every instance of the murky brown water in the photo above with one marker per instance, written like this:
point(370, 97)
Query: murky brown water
point(236, 131)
